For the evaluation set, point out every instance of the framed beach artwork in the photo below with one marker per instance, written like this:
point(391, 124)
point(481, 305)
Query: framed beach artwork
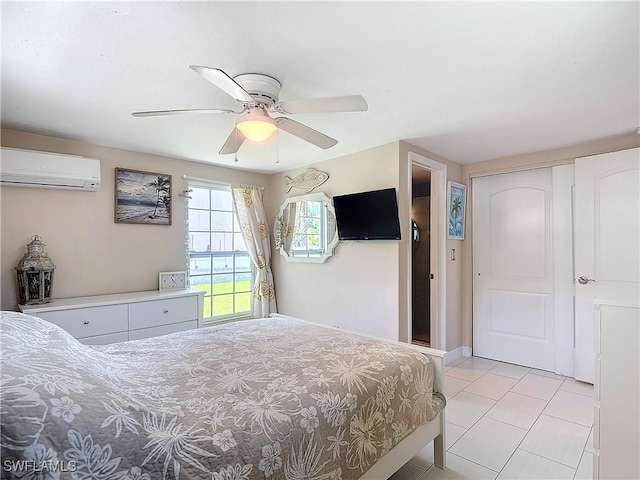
point(142, 197)
point(456, 202)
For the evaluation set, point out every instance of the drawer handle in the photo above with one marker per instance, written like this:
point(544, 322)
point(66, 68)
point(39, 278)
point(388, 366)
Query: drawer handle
point(86, 322)
point(166, 311)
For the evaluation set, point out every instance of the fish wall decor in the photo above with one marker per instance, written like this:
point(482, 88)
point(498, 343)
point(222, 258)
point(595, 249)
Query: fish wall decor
point(306, 181)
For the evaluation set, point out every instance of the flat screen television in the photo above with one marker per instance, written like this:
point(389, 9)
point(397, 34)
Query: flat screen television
point(368, 215)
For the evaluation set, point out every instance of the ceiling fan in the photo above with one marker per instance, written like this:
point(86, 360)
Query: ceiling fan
point(257, 95)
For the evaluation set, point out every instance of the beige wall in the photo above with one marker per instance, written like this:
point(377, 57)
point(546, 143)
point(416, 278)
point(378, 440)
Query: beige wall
point(549, 158)
point(93, 254)
point(357, 288)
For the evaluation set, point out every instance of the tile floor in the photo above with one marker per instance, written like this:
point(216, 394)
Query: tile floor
point(510, 422)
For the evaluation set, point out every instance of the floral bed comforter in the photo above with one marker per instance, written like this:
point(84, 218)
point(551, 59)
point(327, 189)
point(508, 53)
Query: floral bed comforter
point(259, 399)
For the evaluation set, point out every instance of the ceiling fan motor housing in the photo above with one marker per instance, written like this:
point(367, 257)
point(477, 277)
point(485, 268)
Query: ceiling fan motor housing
point(263, 88)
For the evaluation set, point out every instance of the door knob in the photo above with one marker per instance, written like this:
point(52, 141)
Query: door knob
point(584, 280)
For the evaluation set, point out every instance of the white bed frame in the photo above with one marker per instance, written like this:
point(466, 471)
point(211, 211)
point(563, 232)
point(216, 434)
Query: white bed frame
point(421, 436)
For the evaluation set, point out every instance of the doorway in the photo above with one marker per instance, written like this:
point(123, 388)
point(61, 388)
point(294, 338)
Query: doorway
point(437, 251)
point(420, 255)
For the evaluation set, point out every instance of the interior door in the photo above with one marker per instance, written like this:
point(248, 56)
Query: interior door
point(607, 242)
point(513, 268)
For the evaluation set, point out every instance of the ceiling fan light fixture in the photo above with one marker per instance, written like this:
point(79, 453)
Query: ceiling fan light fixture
point(257, 129)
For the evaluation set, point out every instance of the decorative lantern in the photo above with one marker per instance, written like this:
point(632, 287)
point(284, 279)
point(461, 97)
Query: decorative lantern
point(35, 274)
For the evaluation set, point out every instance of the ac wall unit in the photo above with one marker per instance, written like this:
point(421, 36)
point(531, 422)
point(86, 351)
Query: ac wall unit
point(29, 168)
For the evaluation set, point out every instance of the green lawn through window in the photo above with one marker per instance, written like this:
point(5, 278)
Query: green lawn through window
point(221, 303)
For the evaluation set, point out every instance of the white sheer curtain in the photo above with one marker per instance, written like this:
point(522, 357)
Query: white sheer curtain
point(253, 222)
point(289, 222)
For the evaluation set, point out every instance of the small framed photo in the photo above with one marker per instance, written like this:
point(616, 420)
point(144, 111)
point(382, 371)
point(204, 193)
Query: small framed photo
point(456, 206)
point(142, 197)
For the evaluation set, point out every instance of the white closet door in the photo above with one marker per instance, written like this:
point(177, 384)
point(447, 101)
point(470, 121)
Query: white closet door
point(607, 242)
point(563, 269)
point(513, 268)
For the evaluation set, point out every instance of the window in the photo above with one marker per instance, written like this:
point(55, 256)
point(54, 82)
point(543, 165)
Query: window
point(308, 239)
point(218, 260)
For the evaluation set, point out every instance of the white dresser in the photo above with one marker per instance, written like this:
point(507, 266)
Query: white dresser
point(102, 319)
point(616, 421)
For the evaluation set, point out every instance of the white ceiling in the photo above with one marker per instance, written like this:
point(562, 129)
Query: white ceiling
point(469, 81)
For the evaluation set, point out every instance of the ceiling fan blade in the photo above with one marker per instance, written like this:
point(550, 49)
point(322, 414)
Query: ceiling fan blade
point(305, 133)
point(352, 103)
point(233, 143)
point(224, 82)
point(157, 113)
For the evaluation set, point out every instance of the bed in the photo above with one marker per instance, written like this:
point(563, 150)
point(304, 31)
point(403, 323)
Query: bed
point(275, 398)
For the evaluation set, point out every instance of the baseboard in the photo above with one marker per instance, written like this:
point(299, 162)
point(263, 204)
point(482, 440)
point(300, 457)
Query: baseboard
point(466, 352)
point(453, 355)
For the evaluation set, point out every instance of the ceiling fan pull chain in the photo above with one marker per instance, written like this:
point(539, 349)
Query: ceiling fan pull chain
point(277, 149)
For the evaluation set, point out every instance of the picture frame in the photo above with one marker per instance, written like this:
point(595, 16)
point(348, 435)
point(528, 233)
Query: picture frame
point(456, 208)
point(142, 197)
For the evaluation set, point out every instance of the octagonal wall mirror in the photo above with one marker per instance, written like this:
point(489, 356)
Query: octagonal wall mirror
point(305, 228)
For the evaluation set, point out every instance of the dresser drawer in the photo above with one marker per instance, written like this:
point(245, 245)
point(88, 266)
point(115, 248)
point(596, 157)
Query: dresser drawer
point(102, 319)
point(106, 339)
point(162, 330)
point(596, 428)
point(91, 321)
point(161, 312)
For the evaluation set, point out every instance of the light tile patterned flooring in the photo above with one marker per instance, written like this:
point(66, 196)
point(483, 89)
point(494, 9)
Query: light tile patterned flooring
point(510, 422)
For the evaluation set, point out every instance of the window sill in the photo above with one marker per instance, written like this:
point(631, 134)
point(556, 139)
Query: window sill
point(219, 321)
